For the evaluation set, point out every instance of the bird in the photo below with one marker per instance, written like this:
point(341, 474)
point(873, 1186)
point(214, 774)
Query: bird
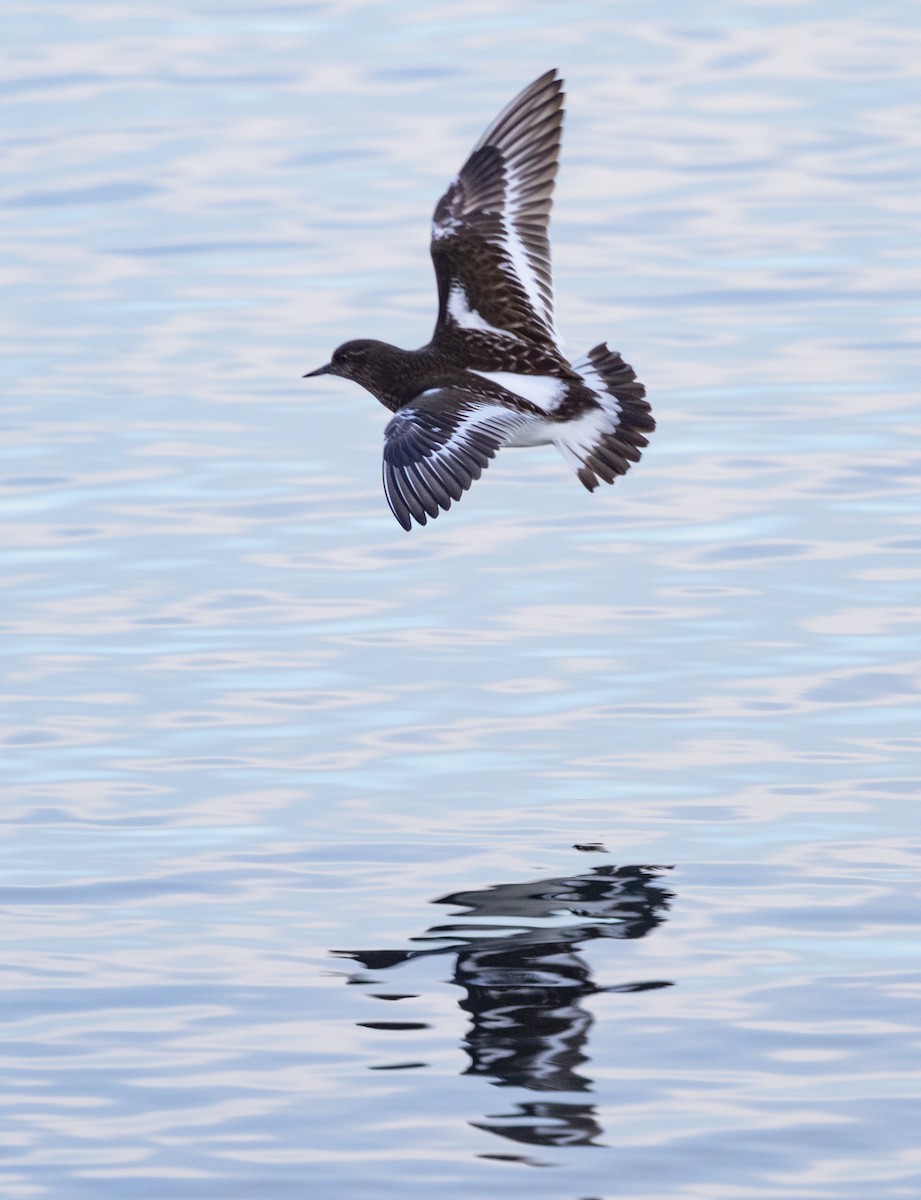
point(494, 373)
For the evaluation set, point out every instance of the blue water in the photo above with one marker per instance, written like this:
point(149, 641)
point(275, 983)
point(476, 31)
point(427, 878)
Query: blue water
point(567, 847)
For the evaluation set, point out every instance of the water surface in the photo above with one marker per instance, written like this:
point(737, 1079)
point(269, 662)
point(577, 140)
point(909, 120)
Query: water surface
point(568, 846)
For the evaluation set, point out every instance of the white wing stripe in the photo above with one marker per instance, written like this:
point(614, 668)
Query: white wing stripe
point(517, 252)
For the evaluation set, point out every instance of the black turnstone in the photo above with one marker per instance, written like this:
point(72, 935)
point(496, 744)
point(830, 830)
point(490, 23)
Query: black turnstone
point(493, 374)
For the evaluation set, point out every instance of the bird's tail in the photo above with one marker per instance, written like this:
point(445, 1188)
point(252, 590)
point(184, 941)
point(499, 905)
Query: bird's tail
point(605, 442)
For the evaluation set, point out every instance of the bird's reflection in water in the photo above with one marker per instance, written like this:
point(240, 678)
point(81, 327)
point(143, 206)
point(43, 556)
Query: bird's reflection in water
point(524, 981)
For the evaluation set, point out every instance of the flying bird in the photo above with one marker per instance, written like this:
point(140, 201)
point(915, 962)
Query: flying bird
point(494, 373)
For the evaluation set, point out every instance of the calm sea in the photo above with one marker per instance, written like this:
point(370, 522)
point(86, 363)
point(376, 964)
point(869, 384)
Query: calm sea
point(568, 847)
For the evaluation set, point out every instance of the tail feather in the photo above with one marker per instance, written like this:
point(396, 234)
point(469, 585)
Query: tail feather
point(604, 444)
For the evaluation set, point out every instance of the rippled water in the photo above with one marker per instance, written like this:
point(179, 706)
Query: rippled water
point(567, 847)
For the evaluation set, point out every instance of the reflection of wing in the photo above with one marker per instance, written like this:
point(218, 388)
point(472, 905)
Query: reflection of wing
point(489, 235)
point(626, 902)
point(437, 445)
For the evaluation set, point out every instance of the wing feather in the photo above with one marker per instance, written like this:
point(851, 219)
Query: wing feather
point(490, 243)
point(435, 447)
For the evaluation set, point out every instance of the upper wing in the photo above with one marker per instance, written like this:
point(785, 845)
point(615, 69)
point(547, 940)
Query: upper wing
point(436, 446)
point(489, 234)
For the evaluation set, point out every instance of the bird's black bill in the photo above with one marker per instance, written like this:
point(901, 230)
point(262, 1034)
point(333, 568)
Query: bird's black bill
point(319, 371)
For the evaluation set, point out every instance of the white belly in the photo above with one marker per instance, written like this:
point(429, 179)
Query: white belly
point(537, 432)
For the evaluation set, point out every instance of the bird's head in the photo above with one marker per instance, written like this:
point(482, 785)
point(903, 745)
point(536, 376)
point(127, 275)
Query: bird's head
point(348, 360)
point(377, 366)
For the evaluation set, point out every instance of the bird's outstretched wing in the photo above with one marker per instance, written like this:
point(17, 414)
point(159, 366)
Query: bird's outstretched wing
point(489, 234)
point(437, 445)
